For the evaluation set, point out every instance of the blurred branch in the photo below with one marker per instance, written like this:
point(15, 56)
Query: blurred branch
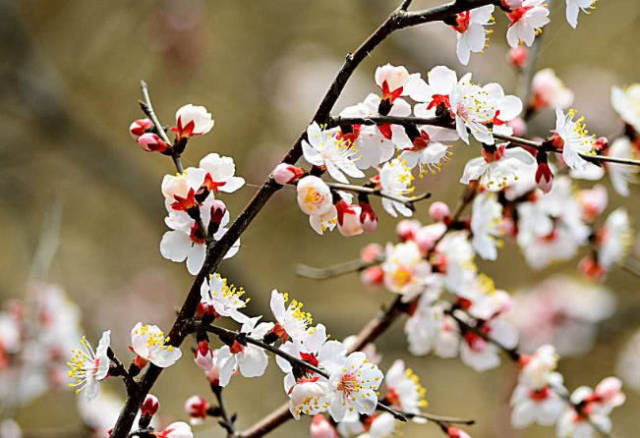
point(48, 242)
point(526, 75)
point(336, 270)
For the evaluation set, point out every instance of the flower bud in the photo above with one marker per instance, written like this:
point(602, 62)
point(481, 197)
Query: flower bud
point(149, 406)
point(368, 218)
point(406, 229)
point(439, 211)
point(544, 176)
point(601, 144)
point(151, 142)
point(454, 432)
point(314, 196)
point(139, 127)
point(372, 276)
point(518, 56)
point(321, 428)
point(519, 126)
point(286, 173)
point(371, 253)
point(218, 210)
point(196, 408)
point(348, 219)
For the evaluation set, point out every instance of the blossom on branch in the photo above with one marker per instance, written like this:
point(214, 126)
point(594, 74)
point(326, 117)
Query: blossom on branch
point(89, 367)
point(150, 344)
point(471, 32)
point(192, 120)
point(526, 22)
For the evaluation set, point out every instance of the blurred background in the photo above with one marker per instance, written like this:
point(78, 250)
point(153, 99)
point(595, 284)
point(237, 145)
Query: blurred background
point(69, 85)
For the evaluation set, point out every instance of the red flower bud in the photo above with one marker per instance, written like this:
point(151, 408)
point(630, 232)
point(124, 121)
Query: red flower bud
point(149, 406)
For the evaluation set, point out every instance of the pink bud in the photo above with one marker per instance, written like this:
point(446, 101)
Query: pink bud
point(139, 127)
point(151, 142)
point(372, 276)
point(218, 210)
point(371, 253)
point(544, 177)
point(149, 406)
point(601, 144)
point(204, 356)
point(590, 268)
point(519, 126)
point(425, 238)
point(439, 211)
point(368, 218)
point(196, 407)
point(518, 56)
point(286, 173)
point(321, 428)
point(406, 229)
point(349, 221)
point(454, 432)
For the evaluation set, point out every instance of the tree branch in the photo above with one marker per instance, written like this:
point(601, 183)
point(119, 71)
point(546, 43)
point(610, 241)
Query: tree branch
point(397, 20)
point(445, 123)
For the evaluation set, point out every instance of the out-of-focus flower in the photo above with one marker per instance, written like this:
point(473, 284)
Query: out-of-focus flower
point(179, 429)
point(563, 312)
point(574, 7)
point(627, 103)
point(621, 174)
point(196, 408)
point(322, 428)
point(486, 219)
point(518, 56)
point(205, 358)
point(549, 91)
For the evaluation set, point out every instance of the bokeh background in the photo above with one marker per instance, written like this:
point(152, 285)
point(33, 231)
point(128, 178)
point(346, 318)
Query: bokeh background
point(69, 85)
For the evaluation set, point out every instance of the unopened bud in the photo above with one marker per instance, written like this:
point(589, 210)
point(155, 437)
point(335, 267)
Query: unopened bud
point(218, 210)
point(286, 173)
point(439, 211)
point(196, 407)
point(368, 217)
point(149, 406)
point(406, 229)
point(151, 142)
point(518, 57)
point(139, 127)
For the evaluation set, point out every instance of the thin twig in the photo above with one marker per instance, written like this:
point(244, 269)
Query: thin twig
point(147, 108)
point(407, 202)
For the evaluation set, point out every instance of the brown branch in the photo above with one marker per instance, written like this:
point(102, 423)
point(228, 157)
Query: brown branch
point(406, 201)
